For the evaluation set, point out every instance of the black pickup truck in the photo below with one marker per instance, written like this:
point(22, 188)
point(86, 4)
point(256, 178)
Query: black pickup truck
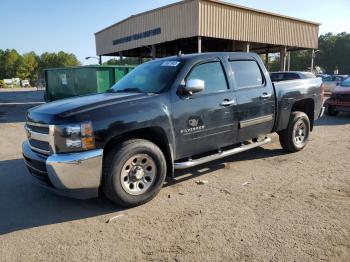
point(167, 114)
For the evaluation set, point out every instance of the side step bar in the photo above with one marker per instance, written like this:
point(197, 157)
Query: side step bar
point(196, 162)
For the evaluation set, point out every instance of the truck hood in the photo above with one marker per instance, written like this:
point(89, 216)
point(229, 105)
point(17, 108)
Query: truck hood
point(66, 107)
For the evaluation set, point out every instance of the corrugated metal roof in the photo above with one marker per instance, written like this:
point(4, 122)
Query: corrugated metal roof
point(209, 18)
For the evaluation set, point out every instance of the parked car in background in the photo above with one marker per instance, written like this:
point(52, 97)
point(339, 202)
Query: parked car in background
point(292, 75)
point(340, 99)
point(331, 81)
point(25, 83)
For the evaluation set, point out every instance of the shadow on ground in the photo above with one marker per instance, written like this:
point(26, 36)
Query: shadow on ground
point(24, 204)
point(14, 104)
point(341, 119)
point(191, 173)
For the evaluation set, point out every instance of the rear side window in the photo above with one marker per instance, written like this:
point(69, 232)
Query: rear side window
point(290, 76)
point(247, 74)
point(309, 75)
point(213, 76)
point(276, 77)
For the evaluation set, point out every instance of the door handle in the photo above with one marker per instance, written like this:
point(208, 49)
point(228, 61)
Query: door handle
point(227, 102)
point(265, 96)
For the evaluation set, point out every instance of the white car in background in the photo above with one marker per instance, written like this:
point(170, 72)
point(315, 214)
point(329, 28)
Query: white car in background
point(330, 82)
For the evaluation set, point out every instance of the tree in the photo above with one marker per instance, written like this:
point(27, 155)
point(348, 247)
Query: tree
point(10, 63)
point(125, 61)
point(60, 59)
point(334, 53)
point(29, 66)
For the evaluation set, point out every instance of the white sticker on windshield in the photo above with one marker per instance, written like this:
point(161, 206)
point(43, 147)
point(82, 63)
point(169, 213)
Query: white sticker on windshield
point(170, 63)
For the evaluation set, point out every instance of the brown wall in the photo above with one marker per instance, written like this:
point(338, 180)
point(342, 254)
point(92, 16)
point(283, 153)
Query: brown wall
point(177, 21)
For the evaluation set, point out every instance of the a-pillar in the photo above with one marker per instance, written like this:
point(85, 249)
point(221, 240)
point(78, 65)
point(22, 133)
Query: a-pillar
point(283, 58)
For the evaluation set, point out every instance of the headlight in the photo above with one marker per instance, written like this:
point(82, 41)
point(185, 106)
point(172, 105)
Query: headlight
point(74, 137)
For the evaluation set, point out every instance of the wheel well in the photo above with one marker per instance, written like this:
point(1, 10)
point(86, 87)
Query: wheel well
point(307, 106)
point(154, 134)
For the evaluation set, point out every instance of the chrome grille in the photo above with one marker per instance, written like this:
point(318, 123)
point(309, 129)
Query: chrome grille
point(40, 137)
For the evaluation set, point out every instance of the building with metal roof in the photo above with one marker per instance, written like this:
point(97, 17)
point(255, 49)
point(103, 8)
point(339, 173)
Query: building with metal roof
point(192, 26)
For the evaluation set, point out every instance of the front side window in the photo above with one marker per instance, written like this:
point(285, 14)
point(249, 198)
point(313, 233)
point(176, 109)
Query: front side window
point(247, 73)
point(213, 76)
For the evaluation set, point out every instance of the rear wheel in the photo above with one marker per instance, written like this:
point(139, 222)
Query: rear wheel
point(134, 172)
point(332, 111)
point(295, 137)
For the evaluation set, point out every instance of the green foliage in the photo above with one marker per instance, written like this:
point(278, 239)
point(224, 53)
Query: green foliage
point(9, 62)
point(2, 84)
point(334, 53)
point(300, 60)
point(274, 63)
point(60, 59)
point(30, 66)
point(28, 69)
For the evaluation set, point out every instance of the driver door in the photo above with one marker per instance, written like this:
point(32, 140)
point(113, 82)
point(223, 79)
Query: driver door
point(206, 120)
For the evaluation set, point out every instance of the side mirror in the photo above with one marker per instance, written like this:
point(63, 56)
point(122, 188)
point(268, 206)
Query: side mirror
point(194, 86)
point(338, 84)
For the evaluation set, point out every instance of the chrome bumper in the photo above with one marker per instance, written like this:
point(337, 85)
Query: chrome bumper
point(67, 174)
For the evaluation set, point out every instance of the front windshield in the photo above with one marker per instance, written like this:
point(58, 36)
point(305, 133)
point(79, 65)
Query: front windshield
point(346, 82)
point(150, 77)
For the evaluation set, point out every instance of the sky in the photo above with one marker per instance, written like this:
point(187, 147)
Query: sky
point(69, 25)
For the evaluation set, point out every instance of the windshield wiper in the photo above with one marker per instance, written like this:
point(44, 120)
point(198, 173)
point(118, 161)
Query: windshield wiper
point(133, 89)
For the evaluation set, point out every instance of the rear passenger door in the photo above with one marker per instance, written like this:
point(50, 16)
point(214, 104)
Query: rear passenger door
point(255, 99)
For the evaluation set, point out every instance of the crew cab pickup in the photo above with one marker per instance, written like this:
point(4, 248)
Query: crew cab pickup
point(167, 114)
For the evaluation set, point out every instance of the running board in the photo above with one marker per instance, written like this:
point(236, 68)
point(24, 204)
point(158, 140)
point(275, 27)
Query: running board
point(196, 162)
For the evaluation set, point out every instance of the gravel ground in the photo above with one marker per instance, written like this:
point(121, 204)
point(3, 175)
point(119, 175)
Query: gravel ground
point(261, 205)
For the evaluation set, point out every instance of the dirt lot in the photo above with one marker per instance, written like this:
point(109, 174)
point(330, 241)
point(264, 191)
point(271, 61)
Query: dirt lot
point(262, 205)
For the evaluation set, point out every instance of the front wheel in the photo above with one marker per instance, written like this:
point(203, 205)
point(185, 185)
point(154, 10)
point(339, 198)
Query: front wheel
point(134, 172)
point(295, 137)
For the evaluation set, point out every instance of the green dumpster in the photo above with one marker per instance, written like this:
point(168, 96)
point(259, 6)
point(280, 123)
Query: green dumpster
point(82, 80)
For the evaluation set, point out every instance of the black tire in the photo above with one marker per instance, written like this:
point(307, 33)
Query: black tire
point(289, 139)
point(115, 161)
point(331, 111)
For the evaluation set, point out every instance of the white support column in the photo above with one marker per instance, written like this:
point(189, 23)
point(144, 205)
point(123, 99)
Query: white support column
point(289, 57)
point(267, 60)
point(312, 60)
point(247, 47)
point(154, 52)
point(283, 56)
point(199, 44)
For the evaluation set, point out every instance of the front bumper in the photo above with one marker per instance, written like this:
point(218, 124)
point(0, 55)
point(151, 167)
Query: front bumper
point(75, 175)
